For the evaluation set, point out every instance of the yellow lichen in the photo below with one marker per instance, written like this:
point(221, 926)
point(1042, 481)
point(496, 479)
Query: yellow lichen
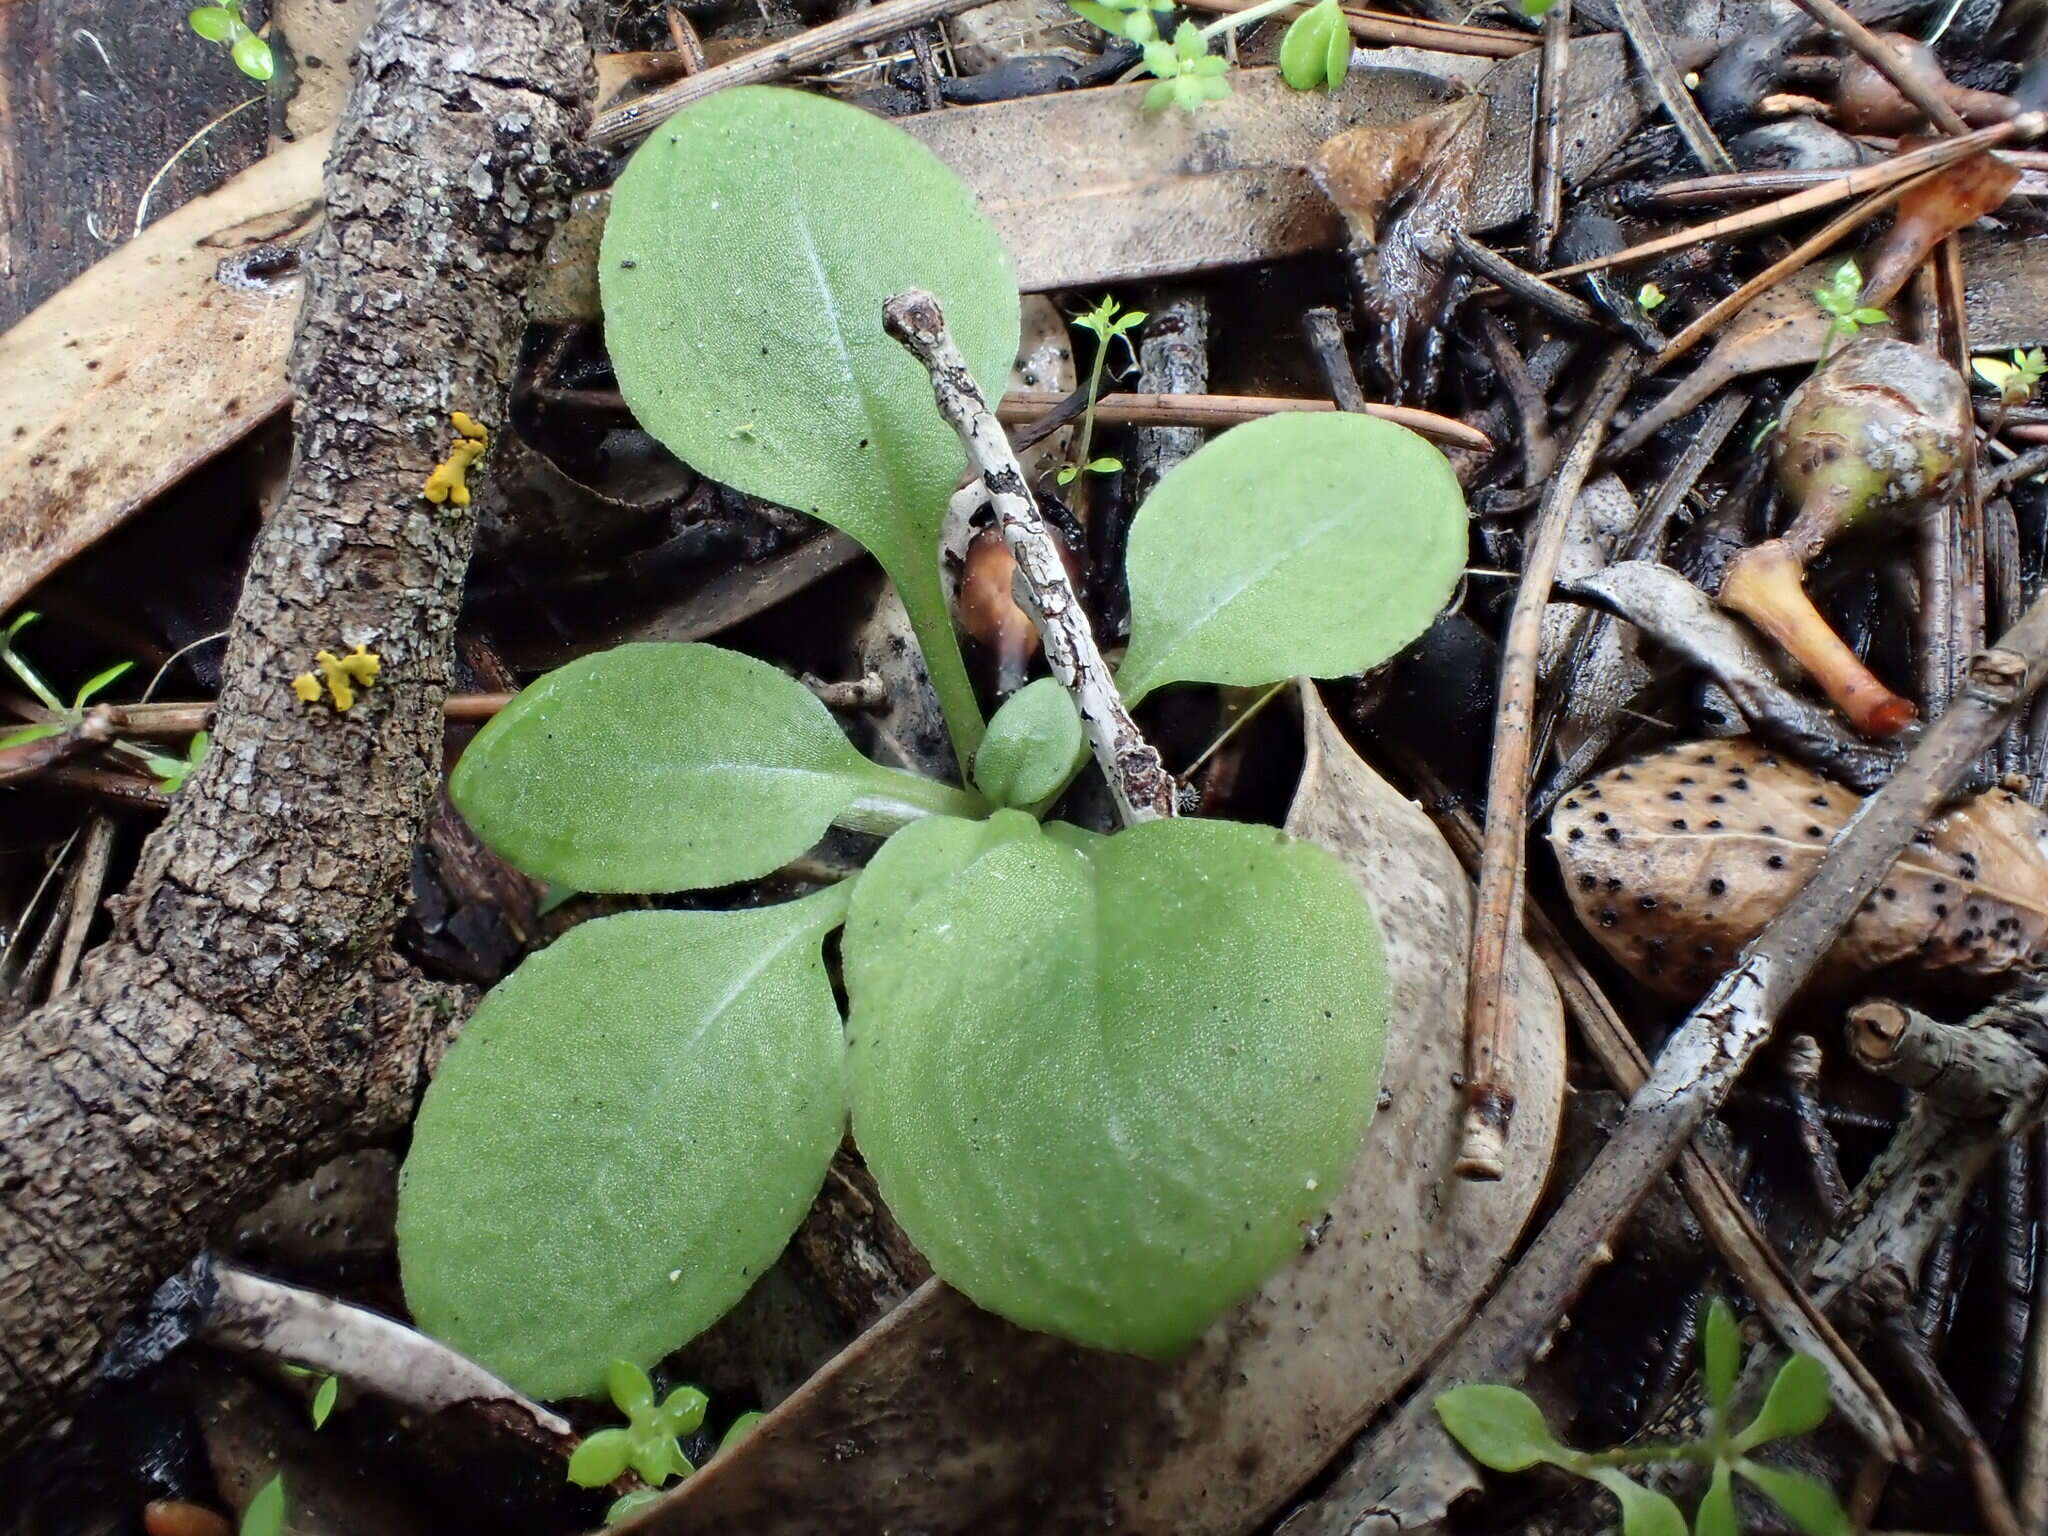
point(449, 482)
point(344, 675)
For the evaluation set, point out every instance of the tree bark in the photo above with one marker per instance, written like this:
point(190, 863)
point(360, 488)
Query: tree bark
point(247, 1016)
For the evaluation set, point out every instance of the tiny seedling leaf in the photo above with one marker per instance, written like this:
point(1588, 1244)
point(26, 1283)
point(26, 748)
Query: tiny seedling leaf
point(1033, 745)
point(324, 1397)
point(1722, 1348)
point(1103, 1081)
point(1644, 1512)
point(1807, 1502)
point(623, 1139)
point(265, 1513)
point(1716, 1514)
point(662, 767)
point(97, 682)
point(30, 733)
point(1310, 50)
point(682, 1411)
point(600, 1458)
point(1301, 544)
point(631, 1392)
point(743, 273)
point(657, 1457)
point(1500, 1427)
point(740, 1429)
point(214, 23)
point(1795, 1405)
point(630, 1503)
point(1114, 23)
point(252, 56)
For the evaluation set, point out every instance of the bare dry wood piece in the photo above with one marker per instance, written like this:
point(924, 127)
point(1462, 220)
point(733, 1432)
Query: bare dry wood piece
point(1546, 162)
point(1405, 1475)
point(1138, 781)
point(1214, 412)
point(261, 1316)
point(945, 1418)
point(1490, 1001)
point(247, 1010)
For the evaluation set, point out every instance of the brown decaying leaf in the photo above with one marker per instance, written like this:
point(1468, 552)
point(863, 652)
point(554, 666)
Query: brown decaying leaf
point(1950, 200)
point(1677, 860)
point(945, 1418)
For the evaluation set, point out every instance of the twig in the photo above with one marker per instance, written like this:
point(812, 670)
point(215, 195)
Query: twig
point(1526, 286)
point(2033, 462)
point(88, 883)
point(1532, 408)
point(689, 46)
point(172, 719)
point(1410, 1464)
point(890, 18)
point(1214, 411)
point(33, 758)
point(1412, 31)
point(1325, 334)
point(1496, 923)
point(1138, 781)
point(1173, 359)
point(1967, 518)
point(1802, 1079)
point(365, 1348)
point(142, 206)
point(1865, 178)
point(1743, 1246)
point(1546, 164)
point(1839, 21)
point(1641, 29)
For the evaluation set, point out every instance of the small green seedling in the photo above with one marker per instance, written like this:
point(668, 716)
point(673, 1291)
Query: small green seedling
point(1839, 299)
point(1105, 324)
point(171, 772)
point(1317, 48)
point(224, 24)
point(648, 1443)
point(1536, 10)
point(2015, 381)
point(324, 1396)
point(1650, 296)
point(1503, 1429)
point(1103, 1081)
point(265, 1514)
point(629, 1503)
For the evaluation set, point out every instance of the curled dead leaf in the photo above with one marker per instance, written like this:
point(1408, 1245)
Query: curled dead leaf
point(1674, 862)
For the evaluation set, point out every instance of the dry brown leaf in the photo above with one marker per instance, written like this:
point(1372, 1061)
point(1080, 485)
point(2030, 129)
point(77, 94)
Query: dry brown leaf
point(945, 1418)
point(146, 366)
point(1677, 860)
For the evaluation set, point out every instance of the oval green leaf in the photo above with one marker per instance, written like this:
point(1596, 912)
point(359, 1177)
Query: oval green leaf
point(215, 23)
point(665, 768)
point(1499, 1427)
point(1644, 1511)
point(1721, 1358)
point(751, 244)
point(1306, 544)
point(623, 1139)
point(1807, 1502)
point(1796, 1404)
point(1103, 1082)
point(1033, 745)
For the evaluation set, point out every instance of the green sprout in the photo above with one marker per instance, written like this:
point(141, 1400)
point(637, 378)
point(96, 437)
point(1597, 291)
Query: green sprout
point(224, 24)
point(170, 772)
point(1503, 1429)
point(1105, 323)
point(648, 1442)
point(1840, 299)
point(1649, 296)
point(265, 1514)
point(1536, 10)
point(2015, 381)
point(1318, 43)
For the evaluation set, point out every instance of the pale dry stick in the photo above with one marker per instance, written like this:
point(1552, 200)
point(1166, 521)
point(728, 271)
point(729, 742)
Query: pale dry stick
point(2030, 1477)
point(1546, 164)
point(1217, 411)
point(256, 1315)
point(1410, 31)
point(1743, 1246)
point(1640, 27)
point(1722, 311)
point(1497, 920)
point(1864, 179)
point(1830, 14)
point(1410, 1469)
point(1138, 780)
point(170, 719)
point(88, 885)
point(1966, 506)
point(616, 125)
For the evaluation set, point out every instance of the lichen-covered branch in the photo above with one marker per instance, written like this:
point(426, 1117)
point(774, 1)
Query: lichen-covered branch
point(246, 1012)
point(1143, 789)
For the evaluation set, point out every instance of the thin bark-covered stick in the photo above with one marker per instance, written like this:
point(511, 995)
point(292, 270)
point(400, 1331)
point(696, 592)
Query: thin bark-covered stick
point(1496, 921)
point(1799, 1324)
point(1173, 359)
point(616, 125)
point(1865, 178)
point(1640, 27)
point(1410, 1466)
point(1526, 286)
point(1546, 164)
point(1138, 781)
point(1802, 1079)
point(1970, 597)
point(1844, 25)
point(170, 719)
point(1217, 411)
point(1412, 31)
point(247, 1012)
point(1324, 331)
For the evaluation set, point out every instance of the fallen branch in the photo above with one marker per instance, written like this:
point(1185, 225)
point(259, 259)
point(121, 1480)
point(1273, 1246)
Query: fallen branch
point(247, 1013)
point(1138, 781)
point(1406, 1474)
